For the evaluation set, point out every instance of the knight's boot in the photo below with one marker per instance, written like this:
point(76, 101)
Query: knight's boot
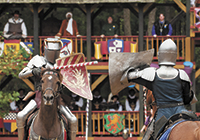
point(149, 131)
point(22, 117)
point(72, 122)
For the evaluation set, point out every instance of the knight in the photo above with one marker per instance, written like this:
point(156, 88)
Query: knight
point(171, 87)
point(33, 69)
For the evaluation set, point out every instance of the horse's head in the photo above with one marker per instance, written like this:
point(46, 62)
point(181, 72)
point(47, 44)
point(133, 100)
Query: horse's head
point(51, 85)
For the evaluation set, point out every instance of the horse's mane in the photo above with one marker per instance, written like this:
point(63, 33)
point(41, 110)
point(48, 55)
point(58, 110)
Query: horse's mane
point(54, 70)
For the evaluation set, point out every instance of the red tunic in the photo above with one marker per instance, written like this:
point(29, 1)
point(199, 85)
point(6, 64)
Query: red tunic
point(64, 32)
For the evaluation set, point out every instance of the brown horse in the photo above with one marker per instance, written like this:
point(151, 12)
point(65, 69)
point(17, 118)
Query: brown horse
point(187, 130)
point(47, 124)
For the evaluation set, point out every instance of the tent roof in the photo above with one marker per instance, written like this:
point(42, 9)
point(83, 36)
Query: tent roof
point(77, 1)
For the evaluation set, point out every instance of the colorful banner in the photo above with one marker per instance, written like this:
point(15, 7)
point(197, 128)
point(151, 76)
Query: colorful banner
point(16, 45)
point(114, 122)
point(197, 13)
point(66, 49)
point(113, 45)
point(75, 78)
point(10, 122)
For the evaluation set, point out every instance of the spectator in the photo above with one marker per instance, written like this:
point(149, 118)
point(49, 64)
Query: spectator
point(148, 120)
point(97, 101)
point(161, 28)
point(68, 27)
point(110, 29)
point(76, 102)
point(15, 28)
point(132, 101)
point(20, 104)
point(115, 105)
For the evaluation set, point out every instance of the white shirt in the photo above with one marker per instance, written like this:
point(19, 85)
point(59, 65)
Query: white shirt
point(128, 108)
point(19, 20)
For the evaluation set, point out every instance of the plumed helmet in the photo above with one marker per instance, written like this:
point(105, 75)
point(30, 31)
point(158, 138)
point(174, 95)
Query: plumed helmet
point(167, 53)
point(52, 49)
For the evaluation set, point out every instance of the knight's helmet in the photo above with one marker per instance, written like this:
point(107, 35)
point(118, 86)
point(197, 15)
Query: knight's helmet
point(52, 49)
point(167, 53)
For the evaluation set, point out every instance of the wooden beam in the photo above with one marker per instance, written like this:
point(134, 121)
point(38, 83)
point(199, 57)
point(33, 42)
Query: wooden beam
point(188, 49)
point(197, 73)
point(82, 8)
point(181, 5)
point(98, 81)
point(29, 83)
point(147, 6)
point(94, 7)
point(177, 17)
point(6, 81)
point(41, 7)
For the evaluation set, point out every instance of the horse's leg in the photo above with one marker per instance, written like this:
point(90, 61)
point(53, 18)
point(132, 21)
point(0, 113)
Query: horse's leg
point(72, 122)
point(187, 130)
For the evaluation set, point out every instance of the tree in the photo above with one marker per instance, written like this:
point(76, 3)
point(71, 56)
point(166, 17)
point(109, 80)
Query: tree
point(11, 63)
point(127, 24)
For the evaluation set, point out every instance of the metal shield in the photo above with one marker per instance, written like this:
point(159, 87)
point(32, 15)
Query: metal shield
point(119, 63)
point(75, 78)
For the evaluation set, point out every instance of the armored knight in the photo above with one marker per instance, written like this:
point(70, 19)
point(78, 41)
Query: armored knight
point(33, 68)
point(171, 87)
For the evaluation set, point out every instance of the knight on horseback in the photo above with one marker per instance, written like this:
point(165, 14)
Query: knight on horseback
point(33, 68)
point(171, 87)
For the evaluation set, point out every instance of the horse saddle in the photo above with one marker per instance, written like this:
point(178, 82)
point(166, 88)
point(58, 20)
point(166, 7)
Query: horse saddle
point(163, 131)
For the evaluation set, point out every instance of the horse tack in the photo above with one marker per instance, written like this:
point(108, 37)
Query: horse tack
point(50, 113)
point(38, 137)
point(49, 88)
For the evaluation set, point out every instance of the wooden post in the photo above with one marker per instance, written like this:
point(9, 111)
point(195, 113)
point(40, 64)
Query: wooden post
point(141, 39)
point(88, 19)
point(35, 29)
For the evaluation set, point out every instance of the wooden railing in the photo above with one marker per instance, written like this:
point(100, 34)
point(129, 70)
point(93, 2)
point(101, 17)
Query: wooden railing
point(130, 122)
point(80, 44)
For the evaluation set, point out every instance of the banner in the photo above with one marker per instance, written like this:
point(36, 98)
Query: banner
point(10, 122)
point(16, 45)
point(66, 49)
point(113, 45)
point(197, 13)
point(114, 122)
point(75, 78)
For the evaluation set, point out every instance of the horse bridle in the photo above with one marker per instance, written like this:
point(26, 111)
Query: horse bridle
point(55, 94)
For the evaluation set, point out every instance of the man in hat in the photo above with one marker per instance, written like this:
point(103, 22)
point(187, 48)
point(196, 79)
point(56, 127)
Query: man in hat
point(15, 27)
point(68, 27)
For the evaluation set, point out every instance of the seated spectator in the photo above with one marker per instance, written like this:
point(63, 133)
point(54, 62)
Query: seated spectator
point(15, 28)
point(76, 102)
point(20, 104)
point(97, 101)
point(132, 101)
point(115, 105)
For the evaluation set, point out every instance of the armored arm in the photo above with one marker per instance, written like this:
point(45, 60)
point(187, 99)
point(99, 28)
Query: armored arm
point(188, 94)
point(143, 77)
point(33, 67)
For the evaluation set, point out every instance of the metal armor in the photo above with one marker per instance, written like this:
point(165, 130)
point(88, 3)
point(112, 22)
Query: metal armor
point(52, 50)
point(167, 53)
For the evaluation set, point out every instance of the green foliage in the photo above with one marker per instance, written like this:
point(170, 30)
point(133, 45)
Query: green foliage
point(5, 99)
point(12, 62)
